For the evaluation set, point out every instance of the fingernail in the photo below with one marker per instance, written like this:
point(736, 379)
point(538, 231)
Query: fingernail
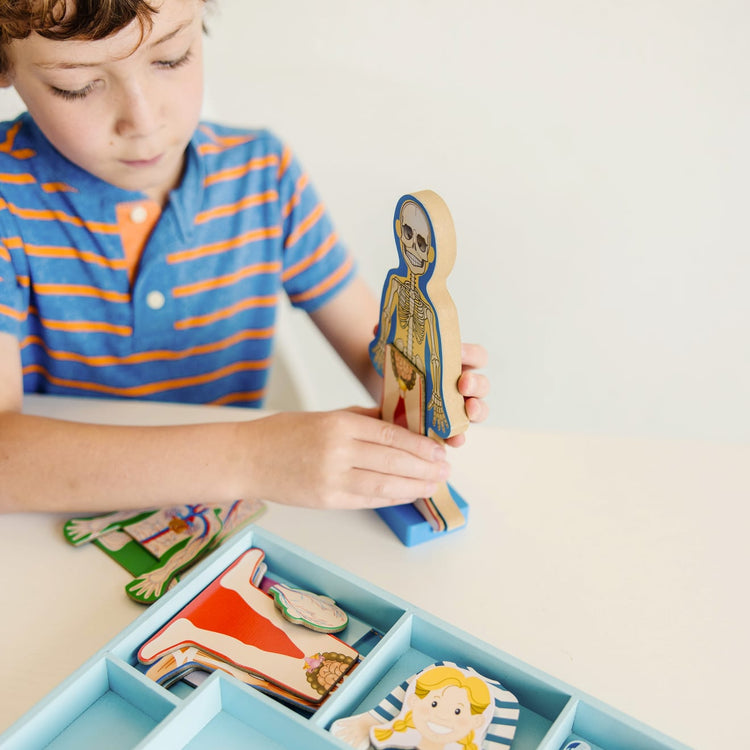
point(440, 453)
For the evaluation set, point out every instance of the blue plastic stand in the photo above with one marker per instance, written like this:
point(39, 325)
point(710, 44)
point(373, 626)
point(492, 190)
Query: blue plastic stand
point(408, 524)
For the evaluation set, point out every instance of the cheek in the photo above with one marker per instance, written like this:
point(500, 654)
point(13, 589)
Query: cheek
point(70, 130)
point(188, 92)
point(185, 107)
point(419, 710)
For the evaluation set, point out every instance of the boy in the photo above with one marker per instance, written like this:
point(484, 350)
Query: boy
point(141, 255)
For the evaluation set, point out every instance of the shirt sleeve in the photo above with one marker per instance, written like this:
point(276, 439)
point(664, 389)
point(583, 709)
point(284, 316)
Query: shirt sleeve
point(317, 266)
point(13, 302)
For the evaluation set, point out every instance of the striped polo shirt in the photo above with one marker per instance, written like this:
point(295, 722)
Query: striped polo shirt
point(110, 295)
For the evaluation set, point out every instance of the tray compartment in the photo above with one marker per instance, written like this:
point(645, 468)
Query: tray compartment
point(604, 728)
point(109, 704)
point(228, 715)
point(420, 641)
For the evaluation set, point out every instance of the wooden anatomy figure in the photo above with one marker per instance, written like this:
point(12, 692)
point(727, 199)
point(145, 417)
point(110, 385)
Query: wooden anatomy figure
point(417, 348)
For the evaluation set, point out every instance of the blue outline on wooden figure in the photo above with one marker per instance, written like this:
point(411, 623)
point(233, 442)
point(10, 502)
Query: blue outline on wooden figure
point(417, 347)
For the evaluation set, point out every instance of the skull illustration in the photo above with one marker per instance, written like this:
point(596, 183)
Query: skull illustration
point(416, 239)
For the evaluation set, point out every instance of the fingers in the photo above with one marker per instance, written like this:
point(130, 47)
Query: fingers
point(388, 461)
point(394, 436)
point(375, 490)
point(473, 385)
point(456, 441)
point(473, 356)
point(476, 409)
point(391, 465)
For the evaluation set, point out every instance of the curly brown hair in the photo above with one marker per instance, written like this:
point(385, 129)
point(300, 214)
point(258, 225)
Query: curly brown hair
point(68, 19)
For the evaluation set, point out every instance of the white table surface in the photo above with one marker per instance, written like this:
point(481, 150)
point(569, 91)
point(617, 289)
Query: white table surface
point(619, 566)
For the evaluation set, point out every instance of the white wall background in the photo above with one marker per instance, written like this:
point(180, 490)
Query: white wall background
point(595, 158)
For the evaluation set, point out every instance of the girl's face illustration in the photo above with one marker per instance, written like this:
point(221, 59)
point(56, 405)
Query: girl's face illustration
point(444, 716)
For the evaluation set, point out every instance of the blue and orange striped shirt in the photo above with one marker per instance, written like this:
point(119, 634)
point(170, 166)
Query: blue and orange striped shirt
point(188, 311)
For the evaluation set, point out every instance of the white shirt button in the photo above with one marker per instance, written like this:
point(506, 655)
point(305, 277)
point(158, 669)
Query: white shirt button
point(138, 214)
point(155, 300)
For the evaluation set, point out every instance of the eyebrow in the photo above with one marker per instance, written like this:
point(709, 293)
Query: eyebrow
point(64, 65)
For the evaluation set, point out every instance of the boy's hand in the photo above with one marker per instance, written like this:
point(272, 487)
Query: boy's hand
point(341, 459)
point(473, 386)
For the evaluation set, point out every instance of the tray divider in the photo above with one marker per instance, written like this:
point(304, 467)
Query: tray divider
point(136, 688)
point(561, 728)
point(188, 718)
point(60, 708)
point(343, 701)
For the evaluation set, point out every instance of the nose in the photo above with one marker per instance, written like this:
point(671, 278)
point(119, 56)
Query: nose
point(137, 111)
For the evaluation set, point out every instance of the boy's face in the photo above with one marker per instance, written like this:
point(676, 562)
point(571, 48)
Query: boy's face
point(123, 111)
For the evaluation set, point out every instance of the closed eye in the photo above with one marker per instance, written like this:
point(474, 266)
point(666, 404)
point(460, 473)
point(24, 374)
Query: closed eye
point(176, 63)
point(71, 95)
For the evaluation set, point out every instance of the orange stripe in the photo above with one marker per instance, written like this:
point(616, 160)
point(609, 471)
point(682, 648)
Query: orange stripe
point(324, 285)
point(11, 313)
point(58, 187)
point(86, 326)
point(81, 290)
point(305, 225)
point(4, 254)
point(297, 197)
point(234, 398)
point(6, 146)
point(219, 247)
point(13, 242)
point(42, 251)
point(24, 281)
point(17, 179)
point(221, 143)
point(286, 160)
point(155, 355)
point(46, 215)
point(319, 253)
point(150, 388)
point(227, 312)
point(234, 208)
point(235, 172)
point(227, 280)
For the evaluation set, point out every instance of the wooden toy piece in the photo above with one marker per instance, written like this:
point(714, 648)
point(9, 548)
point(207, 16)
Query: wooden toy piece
point(204, 527)
point(421, 713)
point(410, 526)
point(181, 662)
point(156, 545)
point(417, 347)
point(78, 531)
point(238, 623)
point(308, 609)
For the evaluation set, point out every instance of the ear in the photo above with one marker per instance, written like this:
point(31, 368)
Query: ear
point(398, 228)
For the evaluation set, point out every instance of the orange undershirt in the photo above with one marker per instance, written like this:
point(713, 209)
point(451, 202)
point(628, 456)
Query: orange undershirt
point(136, 220)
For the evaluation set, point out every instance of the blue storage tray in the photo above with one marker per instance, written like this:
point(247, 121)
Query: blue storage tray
point(109, 701)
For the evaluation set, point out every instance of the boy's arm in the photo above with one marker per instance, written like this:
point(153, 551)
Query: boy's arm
point(347, 322)
point(48, 464)
point(341, 459)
